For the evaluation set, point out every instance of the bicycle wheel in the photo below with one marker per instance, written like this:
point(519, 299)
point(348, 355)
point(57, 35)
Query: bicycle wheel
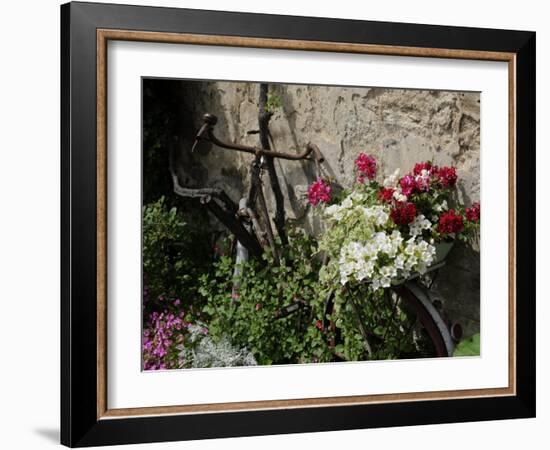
point(420, 327)
point(418, 299)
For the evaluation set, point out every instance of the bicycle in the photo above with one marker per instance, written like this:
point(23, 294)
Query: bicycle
point(249, 221)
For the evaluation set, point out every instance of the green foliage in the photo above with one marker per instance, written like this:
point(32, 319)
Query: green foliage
point(468, 347)
point(274, 101)
point(247, 314)
point(174, 253)
point(386, 323)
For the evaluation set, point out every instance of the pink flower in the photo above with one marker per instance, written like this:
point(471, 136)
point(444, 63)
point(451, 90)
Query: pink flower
point(319, 192)
point(160, 337)
point(422, 182)
point(407, 184)
point(235, 295)
point(177, 302)
point(258, 306)
point(366, 166)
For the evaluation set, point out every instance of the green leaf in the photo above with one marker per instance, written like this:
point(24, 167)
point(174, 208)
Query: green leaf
point(468, 347)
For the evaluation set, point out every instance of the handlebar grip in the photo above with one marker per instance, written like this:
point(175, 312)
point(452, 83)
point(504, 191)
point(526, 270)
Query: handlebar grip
point(316, 152)
point(210, 119)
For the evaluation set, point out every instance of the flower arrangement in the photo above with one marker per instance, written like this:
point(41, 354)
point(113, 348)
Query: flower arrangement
point(382, 233)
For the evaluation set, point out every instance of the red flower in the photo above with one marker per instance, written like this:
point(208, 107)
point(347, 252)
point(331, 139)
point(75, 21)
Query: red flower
point(407, 184)
point(446, 176)
point(319, 192)
point(403, 213)
point(473, 213)
point(419, 167)
point(450, 222)
point(319, 325)
point(366, 165)
point(386, 194)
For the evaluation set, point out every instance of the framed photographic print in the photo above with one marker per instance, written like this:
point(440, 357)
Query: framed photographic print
point(276, 224)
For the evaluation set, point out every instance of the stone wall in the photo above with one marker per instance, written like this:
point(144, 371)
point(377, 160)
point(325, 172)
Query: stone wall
point(399, 127)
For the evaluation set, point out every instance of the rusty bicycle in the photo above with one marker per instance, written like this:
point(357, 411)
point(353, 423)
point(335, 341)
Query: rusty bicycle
point(254, 230)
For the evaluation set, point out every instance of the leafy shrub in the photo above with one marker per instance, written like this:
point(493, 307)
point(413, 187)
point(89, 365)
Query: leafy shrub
point(247, 315)
point(175, 254)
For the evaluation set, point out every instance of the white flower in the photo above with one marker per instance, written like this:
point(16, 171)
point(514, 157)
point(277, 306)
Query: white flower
point(331, 210)
point(376, 216)
point(384, 258)
point(356, 196)
point(399, 262)
point(397, 195)
point(442, 206)
point(347, 203)
point(419, 224)
point(391, 180)
point(388, 271)
point(335, 212)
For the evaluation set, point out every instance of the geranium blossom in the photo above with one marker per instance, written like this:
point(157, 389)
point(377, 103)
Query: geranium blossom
point(366, 166)
point(420, 167)
point(446, 176)
point(386, 194)
point(473, 213)
point(319, 192)
point(407, 184)
point(382, 234)
point(422, 181)
point(403, 213)
point(450, 222)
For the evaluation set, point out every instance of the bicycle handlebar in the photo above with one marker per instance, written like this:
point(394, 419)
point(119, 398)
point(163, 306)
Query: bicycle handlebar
point(206, 133)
